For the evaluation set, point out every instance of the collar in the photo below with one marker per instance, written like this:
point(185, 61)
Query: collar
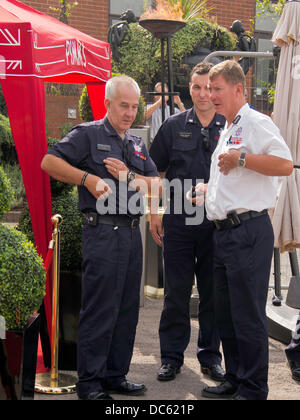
point(111, 132)
point(242, 112)
point(192, 118)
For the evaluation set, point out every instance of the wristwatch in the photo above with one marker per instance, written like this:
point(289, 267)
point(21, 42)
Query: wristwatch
point(242, 160)
point(130, 177)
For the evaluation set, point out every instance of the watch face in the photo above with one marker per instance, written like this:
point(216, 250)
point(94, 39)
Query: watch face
point(131, 177)
point(242, 162)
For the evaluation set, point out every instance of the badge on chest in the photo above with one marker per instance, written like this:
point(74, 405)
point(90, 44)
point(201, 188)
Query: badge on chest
point(104, 147)
point(185, 135)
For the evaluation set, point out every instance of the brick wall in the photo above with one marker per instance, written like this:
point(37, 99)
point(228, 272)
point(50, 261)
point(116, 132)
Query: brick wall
point(57, 114)
point(227, 11)
point(89, 16)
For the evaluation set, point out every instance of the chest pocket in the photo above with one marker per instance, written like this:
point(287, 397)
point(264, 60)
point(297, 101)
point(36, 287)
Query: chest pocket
point(184, 144)
point(97, 165)
point(99, 156)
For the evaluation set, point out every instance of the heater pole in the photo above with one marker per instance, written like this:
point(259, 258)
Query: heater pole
point(170, 74)
point(163, 102)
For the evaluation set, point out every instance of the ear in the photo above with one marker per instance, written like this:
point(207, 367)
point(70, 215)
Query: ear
point(240, 89)
point(106, 103)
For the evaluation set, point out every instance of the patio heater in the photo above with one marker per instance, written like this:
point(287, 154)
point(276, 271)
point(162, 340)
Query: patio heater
point(164, 30)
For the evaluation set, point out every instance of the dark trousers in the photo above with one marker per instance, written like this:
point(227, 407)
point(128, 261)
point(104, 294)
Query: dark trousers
point(243, 257)
point(293, 350)
point(112, 269)
point(187, 251)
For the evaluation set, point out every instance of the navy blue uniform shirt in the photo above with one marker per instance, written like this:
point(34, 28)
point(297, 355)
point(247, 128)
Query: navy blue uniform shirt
point(179, 147)
point(89, 144)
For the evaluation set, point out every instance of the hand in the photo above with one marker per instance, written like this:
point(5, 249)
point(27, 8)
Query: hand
point(229, 161)
point(97, 187)
point(200, 191)
point(116, 168)
point(156, 228)
point(177, 100)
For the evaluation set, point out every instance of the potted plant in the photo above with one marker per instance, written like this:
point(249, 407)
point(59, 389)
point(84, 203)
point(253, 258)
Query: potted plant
point(22, 288)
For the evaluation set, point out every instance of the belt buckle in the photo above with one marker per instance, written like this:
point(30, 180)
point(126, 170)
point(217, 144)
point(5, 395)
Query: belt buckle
point(134, 223)
point(234, 219)
point(92, 219)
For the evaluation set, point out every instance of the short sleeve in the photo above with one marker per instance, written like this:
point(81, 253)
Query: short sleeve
point(272, 142)
point(74, 148)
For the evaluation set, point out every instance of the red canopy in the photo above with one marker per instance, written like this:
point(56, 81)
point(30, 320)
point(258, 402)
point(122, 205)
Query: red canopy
point(35, 48)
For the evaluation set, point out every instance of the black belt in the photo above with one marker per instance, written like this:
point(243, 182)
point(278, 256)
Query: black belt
point(233, 219)
point(123, 221)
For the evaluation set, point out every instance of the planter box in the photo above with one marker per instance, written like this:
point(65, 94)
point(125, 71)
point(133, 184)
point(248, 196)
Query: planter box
point(18, 358)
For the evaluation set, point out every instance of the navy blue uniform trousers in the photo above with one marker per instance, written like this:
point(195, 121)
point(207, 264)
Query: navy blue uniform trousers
point(243, 257)
point(112, 270)
point(188, 251)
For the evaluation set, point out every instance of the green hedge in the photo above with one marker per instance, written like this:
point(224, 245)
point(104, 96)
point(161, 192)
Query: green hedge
point(22, 275)
point(6, 194)
point(22, 278)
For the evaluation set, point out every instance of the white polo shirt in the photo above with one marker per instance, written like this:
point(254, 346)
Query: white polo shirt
point(242, 189)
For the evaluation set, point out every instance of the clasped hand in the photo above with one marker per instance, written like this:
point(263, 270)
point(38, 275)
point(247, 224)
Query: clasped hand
point(229, 161)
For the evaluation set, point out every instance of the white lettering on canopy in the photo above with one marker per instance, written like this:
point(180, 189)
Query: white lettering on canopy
point(75, 55)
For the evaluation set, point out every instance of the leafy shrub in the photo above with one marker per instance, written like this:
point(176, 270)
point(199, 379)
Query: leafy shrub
point(8, 152)
point(13, 173)
point(6, 193)
point(22, 278)
point(22, 275)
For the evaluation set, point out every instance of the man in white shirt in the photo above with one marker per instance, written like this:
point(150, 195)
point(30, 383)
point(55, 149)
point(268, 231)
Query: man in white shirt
point(251, 154)
point(153, 114)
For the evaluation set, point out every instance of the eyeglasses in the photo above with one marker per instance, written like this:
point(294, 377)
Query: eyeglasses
point(206, 139)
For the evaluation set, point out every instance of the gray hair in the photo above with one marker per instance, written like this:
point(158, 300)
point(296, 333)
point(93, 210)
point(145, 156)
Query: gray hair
point(113, 83)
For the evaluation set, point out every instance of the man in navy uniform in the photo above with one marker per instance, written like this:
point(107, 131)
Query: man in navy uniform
point(103, 159)
point(246, 164)
point(182, 150)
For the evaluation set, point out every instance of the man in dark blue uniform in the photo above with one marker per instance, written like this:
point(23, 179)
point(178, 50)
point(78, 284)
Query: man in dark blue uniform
point(107, 163)
point(182, 149)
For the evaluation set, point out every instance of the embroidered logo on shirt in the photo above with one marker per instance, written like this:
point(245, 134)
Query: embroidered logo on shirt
point(137, 148)
point(239, 132)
